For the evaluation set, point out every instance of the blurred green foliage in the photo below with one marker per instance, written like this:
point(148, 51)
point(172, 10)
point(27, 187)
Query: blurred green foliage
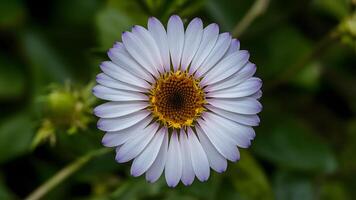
point(305, 144)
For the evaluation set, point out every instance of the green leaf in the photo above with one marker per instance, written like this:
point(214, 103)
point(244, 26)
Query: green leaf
point(248, 179)
point(12, 13)
point(349, 148)
point(116, 17)
point(309, 77)
point(137, 189)
point(335, 8)
point(176, 196)
point(84, 11)
point(243, 180)
point(293, 186)
point(10, 74)
point(282, 48)
point(46, 64)
point(4, 191)
point(15, 136)
point(227, 13)
point(287, 142)
point(334, 190)
point(211, 188)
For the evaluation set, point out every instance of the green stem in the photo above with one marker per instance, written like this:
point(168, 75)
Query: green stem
point(64, 173)
point(257, 9)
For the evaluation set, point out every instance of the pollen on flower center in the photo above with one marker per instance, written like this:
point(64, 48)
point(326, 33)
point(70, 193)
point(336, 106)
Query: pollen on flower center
point(176, 99)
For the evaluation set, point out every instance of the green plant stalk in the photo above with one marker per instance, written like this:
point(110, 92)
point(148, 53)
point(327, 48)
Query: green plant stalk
point(257, 9)
point(64, 173)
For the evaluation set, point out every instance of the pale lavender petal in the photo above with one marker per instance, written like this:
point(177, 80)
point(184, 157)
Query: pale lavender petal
point(110, 94)
point(221, 46)
point(118, 109)
point(223, 145)
point(216, 160)
point(135, 146)
point(173, 169)
point(156, 169)
point(249, 120)
point(242, 75)
point(120, 123)
point(241, 135)
point(117, 72)
point(175, 33)
point(187, 168)
point(226, 67)
point(116, 138)
point(210, 35)
point(146, 38)
point(234, 46)
point(160, 36)
point(193, 36)
point(200, 161)
point(244, 89)
point(144, 161)
point(139, 52)
point(245, 105)
point(121, 57)
point(107, 81)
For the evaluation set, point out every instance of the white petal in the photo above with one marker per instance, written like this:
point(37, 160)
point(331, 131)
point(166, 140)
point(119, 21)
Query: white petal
point(116, 138)
point(200, 161)
point(173, 169)
point(120, 56)
point(216, 160)
point(146, 38)
point(118, 109)
point(110, 94)
point(257, 95)
point(143, 162)
point(249, 120)
point(245, 105)
point(241, 135)
point(193, 36)
point(244, 89)
point(107, 81)
point(224, 145)
point(134, 147)
point(139, 52)
point(242, 75)
point(234, 46)
point(175, 33)
point(156, 169)
point(221, 46)
point(113, 140)
point(120, 123)
point(160, 36)
point(187, 168)
point(120, 74)
point(226, 67)
point(210, 35)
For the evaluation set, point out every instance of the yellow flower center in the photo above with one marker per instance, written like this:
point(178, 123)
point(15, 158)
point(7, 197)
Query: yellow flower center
point(176, 99)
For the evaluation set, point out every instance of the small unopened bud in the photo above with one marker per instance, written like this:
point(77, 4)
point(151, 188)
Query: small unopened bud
point(67, 109)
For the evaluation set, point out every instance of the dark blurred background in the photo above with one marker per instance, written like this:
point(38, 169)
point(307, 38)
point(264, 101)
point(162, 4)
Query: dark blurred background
point(305, 53)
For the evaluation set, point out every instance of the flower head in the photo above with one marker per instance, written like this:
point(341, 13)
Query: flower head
point(180, 100)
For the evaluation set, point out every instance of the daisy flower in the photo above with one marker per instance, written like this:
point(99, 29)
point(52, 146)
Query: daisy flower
point(181, 101)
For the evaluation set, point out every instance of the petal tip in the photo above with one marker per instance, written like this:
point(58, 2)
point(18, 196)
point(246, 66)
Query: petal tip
point(172, 185)
point(105, 143)
point(134, 173)
point(175, 16)
point(187, 183)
